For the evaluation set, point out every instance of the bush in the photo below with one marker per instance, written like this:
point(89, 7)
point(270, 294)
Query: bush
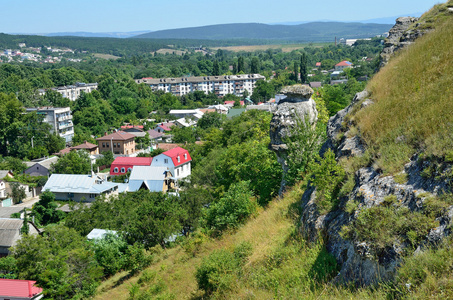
point(232, 210)
point(327, 175)
point(110, 253)
point(220, 270)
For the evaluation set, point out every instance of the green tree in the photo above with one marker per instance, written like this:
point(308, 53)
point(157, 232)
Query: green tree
point(303, 68)
point(75, 162)
point(17, 192)
point(45, 211)
point(232, 210)
point(255, 65)
point(296, 72)
point(210, 120)
point(60, 261)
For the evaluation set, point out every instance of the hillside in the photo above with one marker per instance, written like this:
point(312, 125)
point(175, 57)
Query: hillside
point(390, 215)
point(309, 32)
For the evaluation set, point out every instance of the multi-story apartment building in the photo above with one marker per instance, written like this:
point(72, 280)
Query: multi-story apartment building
point(60, 118)
point(220, 85)
point(72, 92)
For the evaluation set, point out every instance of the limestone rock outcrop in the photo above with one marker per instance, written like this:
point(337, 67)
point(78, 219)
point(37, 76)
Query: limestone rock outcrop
point(298, 104)
point(404, 33)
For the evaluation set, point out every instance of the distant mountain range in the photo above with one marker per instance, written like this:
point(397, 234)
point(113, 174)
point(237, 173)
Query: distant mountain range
point(308, 32)
point(98, 34)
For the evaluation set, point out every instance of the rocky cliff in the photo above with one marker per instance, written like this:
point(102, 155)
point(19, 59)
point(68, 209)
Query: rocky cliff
point(380, 218)
point(360, 261)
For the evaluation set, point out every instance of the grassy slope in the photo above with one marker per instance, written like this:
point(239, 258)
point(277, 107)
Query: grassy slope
point(177, 267)
point(413, 100)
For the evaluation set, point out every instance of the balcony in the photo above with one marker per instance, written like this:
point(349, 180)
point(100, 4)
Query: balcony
point(64, 118)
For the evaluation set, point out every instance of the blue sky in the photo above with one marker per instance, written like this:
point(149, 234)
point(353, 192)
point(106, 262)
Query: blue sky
point(45, 16)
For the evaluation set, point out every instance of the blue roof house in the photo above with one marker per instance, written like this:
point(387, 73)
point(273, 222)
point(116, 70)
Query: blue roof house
point(154, 179)
point(80, 188)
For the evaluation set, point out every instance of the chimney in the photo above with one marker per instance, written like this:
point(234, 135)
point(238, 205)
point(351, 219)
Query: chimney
point(105, 133)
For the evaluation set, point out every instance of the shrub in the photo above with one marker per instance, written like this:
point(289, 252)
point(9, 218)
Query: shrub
point(232, 210)
point(327, 177)
point(110, 253)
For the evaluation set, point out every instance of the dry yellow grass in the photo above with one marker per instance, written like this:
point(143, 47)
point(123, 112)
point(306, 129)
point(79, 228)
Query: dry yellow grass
point(105, 56)
point(170, 51)
point(177, 268)
point(413, 101)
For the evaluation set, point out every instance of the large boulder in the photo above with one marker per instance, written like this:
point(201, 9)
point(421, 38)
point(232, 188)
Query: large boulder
point(298, 105)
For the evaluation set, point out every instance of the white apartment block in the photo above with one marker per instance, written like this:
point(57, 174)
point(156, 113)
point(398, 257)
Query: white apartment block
point(60, 118)
point(220, 85)
point(72, 92)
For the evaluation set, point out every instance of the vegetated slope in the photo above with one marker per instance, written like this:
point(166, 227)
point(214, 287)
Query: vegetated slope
point(309, 32)
point(413, 99)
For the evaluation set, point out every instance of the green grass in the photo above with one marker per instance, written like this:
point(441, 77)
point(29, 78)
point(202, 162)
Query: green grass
point(413, 102)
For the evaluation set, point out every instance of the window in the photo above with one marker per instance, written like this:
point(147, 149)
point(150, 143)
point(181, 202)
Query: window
point(166, 160)
point(103, 145)
point(178, 159)
point(129, 169)
point(114, 145)
point(70, 195)
point(92, 196)
point(115, 170)
point(185, 155)
point(177, 172)
point(123, 170)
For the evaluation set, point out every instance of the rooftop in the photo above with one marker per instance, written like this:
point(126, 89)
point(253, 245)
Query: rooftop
point(119, 135)
point(18, 288)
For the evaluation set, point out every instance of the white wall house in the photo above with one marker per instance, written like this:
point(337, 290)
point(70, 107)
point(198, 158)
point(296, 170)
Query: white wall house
point(220, 85)
point(177, 161)
point(60, 118)
point(73, 92)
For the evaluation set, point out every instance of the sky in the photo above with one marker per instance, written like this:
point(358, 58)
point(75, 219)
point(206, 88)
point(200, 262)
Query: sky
point(47, 16)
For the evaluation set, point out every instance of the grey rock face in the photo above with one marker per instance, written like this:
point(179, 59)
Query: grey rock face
point(399, 37)
point(297, 105)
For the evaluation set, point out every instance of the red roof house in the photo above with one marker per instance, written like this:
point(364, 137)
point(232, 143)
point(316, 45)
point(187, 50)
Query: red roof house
point(343, 65)
point(177, 160)
point(163, 127)
point(122, 165)
point(232, 103)
point(19, 289)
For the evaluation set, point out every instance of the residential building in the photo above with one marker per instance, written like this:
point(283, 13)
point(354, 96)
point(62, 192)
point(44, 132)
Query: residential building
point(15, 289)
point(343, 65)
point(89, 147)
point(99, 234)
point(186, 113)
point(73, 92)
point(3, 194)
point(135, 130)
point(80, 188)
point(177, 160)
point(154, 179)
point(119, 142)
point(220, 85)
point(60, 118)
point(122, 165)
point(40, 168)
point(10, 233)
point(164, 127)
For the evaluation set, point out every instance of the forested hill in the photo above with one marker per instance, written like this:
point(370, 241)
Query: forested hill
point(309, 32)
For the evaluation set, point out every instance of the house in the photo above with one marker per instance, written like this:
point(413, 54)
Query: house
point(164, 127)
point(91, 148)
point(4, 173)
point(186, 113)
point(122, 165)
point(10, 233)
point(135, 130)
point(177, 160)
point(99, 234)
point(318, 64)
point(343, 65)
point(219, 108)
point(15, 289)
point(315, 84)
point(60, 118)
point(6, 212)
point(73, 92)
point(41, 168)
point(80, 188)
point(185, 122)
point(3, 194)
point(154, 179)
point(155, 136)
point(119, 142)
point(231, 103)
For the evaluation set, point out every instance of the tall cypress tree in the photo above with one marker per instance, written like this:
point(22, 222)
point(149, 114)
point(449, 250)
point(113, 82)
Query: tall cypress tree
point(296, 71)
point(303, 68)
